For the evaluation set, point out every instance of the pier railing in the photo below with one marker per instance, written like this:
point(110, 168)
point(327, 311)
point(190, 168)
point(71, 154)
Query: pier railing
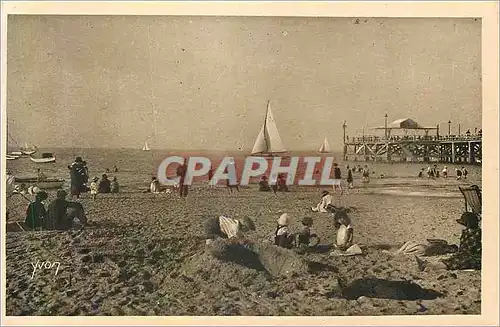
point(397, 138)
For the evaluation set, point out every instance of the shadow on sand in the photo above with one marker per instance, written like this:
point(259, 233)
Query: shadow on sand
point(387, 289)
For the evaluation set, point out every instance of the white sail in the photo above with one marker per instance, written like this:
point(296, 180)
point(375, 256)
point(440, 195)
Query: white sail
point(268, 139)
point(325, 147)
point(145, 147)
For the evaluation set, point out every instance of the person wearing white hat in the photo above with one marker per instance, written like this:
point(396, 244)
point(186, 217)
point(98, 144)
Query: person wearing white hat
point(227, 228)
point(282, 235)
point(326, 200)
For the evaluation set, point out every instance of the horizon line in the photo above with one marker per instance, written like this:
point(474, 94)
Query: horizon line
point(169, 149)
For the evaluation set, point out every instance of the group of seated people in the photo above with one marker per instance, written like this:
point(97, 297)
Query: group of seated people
point(59, 215)
point(465, 255)
point(278, 185)
point(104, 186)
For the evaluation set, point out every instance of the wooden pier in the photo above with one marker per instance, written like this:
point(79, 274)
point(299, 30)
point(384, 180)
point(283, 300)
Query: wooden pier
point(460, 149)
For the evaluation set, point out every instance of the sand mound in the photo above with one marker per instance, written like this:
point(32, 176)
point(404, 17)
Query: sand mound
point(261, 257)
point(214, 266)
point(279, 261)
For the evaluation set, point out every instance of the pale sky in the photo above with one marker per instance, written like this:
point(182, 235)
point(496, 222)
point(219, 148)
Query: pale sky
point(204, 82)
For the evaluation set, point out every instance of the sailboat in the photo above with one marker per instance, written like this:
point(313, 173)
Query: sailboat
point(268, 142)
point(145, 147)
point(325, 147)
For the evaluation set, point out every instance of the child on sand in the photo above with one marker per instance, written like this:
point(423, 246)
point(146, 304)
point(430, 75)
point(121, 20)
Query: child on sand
point(93, 188)
point(154, 186)
point(114, 185)
point(304, 236)
point(345, 232)
point(282, 236)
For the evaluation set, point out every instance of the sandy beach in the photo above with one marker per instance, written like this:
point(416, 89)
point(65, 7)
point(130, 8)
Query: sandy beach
point(145, 254)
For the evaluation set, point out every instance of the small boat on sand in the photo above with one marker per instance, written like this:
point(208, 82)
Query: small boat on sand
point(15, 153)
point(46, 158)
point(49, 183)
point(10, 157)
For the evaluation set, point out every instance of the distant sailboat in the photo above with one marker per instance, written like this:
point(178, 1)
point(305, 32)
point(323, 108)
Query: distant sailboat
point(325, 147)
point(268, 142)
point(145, 147)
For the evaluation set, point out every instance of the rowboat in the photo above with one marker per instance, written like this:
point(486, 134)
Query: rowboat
point(50, 183)
point(46, 158)
point(9, 157)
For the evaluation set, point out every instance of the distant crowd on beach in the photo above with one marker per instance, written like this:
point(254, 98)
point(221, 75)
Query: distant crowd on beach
point(433, 172)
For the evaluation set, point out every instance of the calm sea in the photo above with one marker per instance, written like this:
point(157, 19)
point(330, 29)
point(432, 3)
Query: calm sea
point(137, 166)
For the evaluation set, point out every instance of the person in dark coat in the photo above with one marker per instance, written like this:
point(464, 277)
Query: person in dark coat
point(469, 249)
point(79, 176)
point(264, 185)
point(350, 180)
point(36, 214)
point(57, 218)
point(282, 187)
point(181, 172)
point(104, 184)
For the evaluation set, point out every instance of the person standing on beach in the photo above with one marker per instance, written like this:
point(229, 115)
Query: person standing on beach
point(366, 174)
point(337, 178)
point(350, 180)
point(465, 172)
point(436, 171)
point(93, 188)
point(210, 176)
point(459, 173)
point(445, 172)
point(181, 172)
point(78, 175)
point(40, 175)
